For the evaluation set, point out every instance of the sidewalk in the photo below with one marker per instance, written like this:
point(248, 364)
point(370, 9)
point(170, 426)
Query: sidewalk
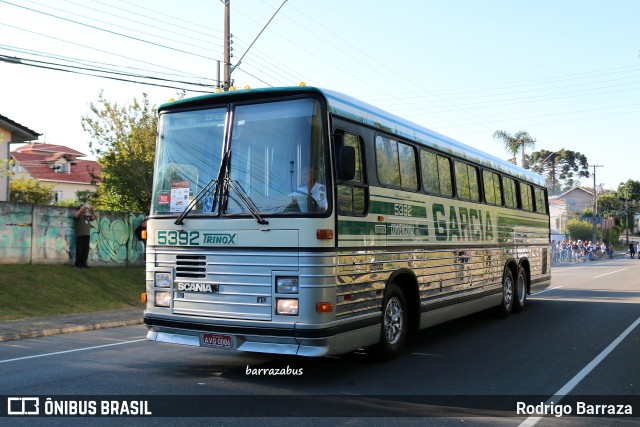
point(46, 326)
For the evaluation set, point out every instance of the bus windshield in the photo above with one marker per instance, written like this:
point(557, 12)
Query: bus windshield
point(276, 159)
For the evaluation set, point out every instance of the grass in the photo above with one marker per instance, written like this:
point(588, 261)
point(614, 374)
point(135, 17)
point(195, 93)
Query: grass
point(48, 290)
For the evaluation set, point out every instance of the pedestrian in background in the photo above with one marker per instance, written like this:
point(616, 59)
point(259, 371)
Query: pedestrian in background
point(610, 250)
point(632, 249)
point(84, 215)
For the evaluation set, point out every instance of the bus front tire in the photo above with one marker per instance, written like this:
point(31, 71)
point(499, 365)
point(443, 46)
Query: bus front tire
point(393, 333)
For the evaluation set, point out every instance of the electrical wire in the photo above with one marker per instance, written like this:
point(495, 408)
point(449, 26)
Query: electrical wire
point(88, 47)
point(88, 62)
point(58, 67)
point(23, 60)
point(107, 31)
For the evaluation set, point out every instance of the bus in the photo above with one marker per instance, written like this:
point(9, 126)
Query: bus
point(302, 221)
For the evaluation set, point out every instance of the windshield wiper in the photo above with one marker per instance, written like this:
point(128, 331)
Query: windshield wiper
point(211, 184)
point(246, 200)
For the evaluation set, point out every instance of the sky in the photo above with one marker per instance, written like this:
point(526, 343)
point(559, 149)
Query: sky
point(567, 72)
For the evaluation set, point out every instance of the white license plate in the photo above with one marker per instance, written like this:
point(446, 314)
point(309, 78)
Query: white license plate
point(216, 340)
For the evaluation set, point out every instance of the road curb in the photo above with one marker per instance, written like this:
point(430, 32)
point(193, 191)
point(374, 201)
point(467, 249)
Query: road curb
point(67, 330)
point(44, 327)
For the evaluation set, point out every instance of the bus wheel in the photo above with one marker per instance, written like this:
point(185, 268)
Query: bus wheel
point(394, 326)
point(505, 307)
point(520, 294)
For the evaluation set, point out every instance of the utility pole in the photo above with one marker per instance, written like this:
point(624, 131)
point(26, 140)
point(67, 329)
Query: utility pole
point(595, 202)
point(227, 45)
point(626, 218)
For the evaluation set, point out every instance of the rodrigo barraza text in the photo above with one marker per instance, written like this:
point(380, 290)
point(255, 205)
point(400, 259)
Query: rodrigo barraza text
point(580, 408)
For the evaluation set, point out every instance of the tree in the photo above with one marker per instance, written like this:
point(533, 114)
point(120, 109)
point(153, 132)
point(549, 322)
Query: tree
point(610, 206)
point(629, 190)
point(629, 195)
point(31, 191)
point(123, 139)
point(515, 143)
point(561, 168)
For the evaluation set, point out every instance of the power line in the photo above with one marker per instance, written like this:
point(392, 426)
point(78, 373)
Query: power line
point(106, 31)
point(89, 47)
point(57, 67)
point(171, 28)
point(527, 83)
point(87, 62)
point(23, 60)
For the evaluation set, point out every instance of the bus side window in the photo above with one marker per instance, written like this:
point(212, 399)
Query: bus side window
point(352, 193)
point(467, 181)
point(396, 163)
point(492, 191)
point(510, 195)
point(526, 198)
point(436, 173)
point(541, 205)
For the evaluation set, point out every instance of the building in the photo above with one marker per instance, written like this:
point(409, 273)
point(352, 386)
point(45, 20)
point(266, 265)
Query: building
point(10, 133)
point(59, 166)
point(562, 206)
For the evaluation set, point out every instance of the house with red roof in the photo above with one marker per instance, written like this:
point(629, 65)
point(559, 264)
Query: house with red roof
point(57, 165)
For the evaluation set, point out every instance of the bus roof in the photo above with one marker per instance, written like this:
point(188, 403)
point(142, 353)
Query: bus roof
point(359, 111)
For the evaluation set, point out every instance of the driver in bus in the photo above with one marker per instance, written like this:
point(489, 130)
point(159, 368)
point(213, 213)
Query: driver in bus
point(314, 189)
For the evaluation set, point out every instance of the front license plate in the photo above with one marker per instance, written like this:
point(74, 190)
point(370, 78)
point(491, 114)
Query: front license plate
point(215, 340)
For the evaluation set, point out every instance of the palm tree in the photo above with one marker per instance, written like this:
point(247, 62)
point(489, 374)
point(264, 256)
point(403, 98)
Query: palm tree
point(515, 143)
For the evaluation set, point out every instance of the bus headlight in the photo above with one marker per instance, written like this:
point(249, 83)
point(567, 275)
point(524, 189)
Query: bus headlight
point(163, 299)
point(163, 279)
point(287, 285)
point(287, 307)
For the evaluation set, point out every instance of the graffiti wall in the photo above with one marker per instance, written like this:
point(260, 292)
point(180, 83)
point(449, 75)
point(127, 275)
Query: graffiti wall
point(46, 235)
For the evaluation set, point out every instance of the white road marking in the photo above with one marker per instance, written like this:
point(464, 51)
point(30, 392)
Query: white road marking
point(548, 289)
point(557, 397)
point(605, 274)
point(17, 359)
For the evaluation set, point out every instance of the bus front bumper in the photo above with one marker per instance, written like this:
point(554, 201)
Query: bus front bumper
point(317, 342)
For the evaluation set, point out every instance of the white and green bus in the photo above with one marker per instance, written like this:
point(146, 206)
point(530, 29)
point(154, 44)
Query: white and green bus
point(302, 221)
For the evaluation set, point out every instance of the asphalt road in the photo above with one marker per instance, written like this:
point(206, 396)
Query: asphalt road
point(577, 341)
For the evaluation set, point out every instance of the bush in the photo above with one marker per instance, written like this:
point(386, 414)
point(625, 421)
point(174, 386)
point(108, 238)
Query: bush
point(578, 229)
point(31, 191)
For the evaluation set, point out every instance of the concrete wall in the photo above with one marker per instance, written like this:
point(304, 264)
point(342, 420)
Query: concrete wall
point(46, 235)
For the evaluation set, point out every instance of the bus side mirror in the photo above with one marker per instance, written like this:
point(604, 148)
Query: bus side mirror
point(347, 163)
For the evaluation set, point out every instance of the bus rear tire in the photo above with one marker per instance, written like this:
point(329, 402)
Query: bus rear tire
point(508, 285)
point(393, 333)
point(520, 291)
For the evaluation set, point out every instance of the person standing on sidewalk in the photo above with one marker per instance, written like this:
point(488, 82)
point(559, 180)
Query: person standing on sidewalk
point(610, 250)
point(84, 215)
point(632, 249)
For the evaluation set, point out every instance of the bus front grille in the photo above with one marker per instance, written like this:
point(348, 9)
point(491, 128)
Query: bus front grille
point(225, 285)
point(191, 266)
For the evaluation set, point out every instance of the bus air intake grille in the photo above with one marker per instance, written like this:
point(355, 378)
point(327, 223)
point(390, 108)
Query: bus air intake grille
point(192, 266)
